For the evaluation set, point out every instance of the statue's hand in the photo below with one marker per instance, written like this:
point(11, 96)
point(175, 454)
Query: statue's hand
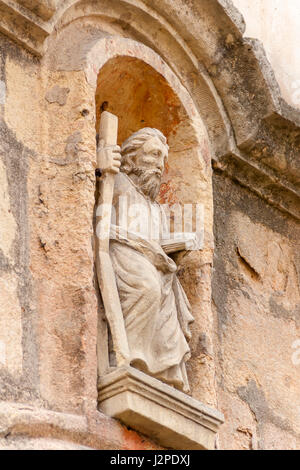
point(109, 158)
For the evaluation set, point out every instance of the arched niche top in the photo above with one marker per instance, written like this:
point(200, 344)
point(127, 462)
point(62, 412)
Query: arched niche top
point(90, 53)
point(117, 68)
point(139, 95)
point(134, 83)
point(87, 43)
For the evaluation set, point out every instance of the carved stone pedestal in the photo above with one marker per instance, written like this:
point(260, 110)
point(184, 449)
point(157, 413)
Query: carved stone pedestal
point(157, 410)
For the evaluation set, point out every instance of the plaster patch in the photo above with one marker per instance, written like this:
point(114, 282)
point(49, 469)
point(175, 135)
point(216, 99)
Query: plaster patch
point(57, 95)
point(2, 92)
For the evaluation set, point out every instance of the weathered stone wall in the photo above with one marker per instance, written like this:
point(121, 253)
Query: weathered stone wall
point(256, 297)
point(49, 300)
point(18, 328)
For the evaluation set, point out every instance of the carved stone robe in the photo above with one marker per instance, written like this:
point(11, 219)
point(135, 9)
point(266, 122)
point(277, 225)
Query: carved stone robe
point(155, 308)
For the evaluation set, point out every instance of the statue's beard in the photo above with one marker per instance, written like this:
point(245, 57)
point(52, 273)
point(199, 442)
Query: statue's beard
point(148, 181)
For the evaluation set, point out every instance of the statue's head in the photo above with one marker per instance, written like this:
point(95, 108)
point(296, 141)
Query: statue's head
point(144, 155)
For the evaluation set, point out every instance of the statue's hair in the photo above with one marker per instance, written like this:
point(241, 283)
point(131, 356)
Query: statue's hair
point(134, 142)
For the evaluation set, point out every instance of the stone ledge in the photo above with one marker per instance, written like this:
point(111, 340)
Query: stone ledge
point(24, 426)
point(43, 8)
point(23, 26)
point(276, 190)
point(157, 410)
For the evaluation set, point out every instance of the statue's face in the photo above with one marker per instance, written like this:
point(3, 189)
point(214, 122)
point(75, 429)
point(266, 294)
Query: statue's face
point(152, 156)
point(147, 166)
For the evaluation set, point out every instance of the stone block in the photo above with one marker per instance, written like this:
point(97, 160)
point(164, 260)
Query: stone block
point(157, 410)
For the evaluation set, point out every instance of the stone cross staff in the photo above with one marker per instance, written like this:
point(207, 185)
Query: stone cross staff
point(108, 133)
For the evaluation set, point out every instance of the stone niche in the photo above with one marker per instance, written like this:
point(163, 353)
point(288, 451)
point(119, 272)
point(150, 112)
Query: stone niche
point(143, 92)
point(130, 80)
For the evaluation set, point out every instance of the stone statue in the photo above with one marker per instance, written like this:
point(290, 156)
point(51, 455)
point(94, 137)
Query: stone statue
point(155, 308)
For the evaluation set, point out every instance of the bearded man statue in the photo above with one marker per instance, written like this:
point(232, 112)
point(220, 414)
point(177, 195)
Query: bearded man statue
point(155, 308)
